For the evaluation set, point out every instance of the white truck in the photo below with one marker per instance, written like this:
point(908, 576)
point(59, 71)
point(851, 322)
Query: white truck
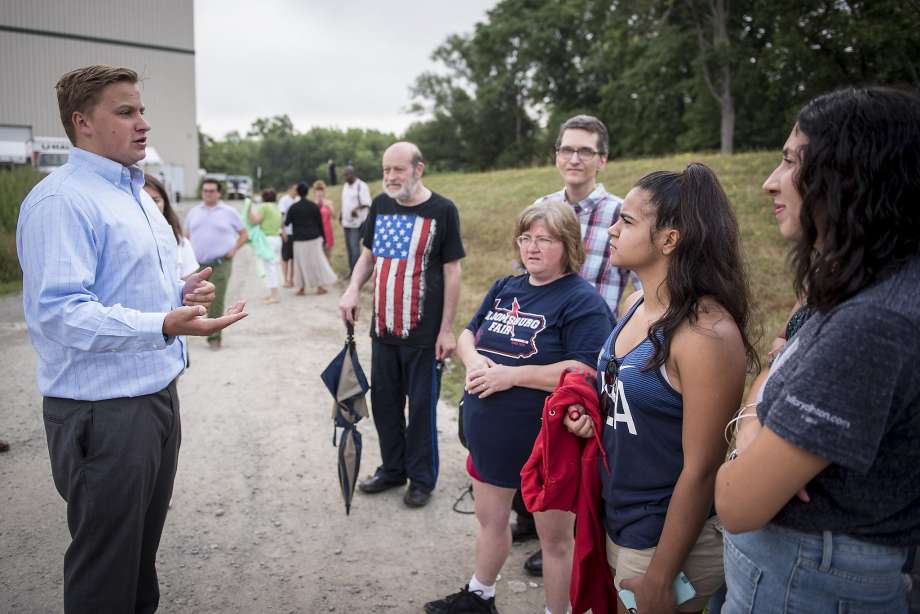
point(15, 145)
point(238, 187)
point(49, 152)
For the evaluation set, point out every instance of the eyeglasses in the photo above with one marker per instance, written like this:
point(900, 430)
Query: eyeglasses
point(584, 153)
point(208, 190)
point(542, 242)
point(609, 384)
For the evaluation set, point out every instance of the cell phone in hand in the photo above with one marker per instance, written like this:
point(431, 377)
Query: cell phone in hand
point(682, 589)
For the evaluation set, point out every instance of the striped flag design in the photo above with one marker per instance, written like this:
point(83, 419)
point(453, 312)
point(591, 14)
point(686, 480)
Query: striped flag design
point(402, 244)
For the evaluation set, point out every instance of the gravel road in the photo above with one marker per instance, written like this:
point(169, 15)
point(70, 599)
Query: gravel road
point(257, 522)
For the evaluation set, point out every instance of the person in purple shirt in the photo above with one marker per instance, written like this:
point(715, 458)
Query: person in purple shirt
point(216, 231)
point(106, 315)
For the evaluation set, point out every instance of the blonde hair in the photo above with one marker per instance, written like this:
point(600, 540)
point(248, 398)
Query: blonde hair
point(562, 224)
point(319, 184)
point(79, 90)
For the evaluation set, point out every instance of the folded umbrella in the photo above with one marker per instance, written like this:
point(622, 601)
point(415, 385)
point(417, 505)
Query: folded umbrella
point(346, 382)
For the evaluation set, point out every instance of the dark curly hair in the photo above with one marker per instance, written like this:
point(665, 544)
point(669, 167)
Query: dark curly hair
point(860, 186)
point(707, 261)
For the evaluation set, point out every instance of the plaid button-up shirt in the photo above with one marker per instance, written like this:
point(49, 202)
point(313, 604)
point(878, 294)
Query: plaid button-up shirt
point(597, 212)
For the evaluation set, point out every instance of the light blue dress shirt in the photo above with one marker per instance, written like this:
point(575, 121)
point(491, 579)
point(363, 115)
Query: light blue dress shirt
point(99, 275)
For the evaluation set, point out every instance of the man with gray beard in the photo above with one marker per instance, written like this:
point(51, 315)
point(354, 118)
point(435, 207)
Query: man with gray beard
point(412, 246)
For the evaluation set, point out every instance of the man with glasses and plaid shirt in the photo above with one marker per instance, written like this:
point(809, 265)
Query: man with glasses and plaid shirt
point(581, 152)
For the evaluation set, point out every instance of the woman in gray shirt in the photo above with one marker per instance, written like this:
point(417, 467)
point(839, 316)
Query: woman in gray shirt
point(841, 407)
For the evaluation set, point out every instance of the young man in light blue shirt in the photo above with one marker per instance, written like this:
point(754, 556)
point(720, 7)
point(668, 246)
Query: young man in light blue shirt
point(106, 315)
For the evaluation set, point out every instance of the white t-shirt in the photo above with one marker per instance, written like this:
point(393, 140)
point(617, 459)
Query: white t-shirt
point(186, 264)
point(354, 195)
point(284, 203)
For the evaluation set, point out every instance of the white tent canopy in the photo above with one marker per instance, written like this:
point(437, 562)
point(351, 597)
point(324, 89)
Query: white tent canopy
point(153, 158)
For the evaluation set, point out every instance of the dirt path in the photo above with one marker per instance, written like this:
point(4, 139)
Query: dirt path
point(257, 522)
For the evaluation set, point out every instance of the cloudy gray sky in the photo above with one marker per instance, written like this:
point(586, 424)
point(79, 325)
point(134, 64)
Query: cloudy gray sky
point(341, 63)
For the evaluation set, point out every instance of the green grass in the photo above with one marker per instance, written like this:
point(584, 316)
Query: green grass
point(10, 287)
point(490, 202)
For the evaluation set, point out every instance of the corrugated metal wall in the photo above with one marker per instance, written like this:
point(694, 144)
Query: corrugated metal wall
point(30, 65)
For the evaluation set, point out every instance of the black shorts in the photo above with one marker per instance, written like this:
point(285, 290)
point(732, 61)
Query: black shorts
point(287, 250)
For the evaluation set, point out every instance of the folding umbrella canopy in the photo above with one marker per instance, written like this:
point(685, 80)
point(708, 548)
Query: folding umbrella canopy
point(346, 382)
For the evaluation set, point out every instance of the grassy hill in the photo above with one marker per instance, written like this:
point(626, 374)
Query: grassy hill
point(490, 202)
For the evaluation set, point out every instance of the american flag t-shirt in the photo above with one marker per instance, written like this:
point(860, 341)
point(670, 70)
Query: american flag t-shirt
point(402, 244)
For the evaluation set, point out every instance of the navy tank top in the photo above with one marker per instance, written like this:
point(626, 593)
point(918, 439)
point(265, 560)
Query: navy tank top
point(642, 438)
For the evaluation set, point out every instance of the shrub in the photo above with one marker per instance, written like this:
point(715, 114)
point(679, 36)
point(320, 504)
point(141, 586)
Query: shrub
point(14, 186)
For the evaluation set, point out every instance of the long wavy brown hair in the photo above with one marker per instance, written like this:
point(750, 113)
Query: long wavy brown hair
point(860, 187)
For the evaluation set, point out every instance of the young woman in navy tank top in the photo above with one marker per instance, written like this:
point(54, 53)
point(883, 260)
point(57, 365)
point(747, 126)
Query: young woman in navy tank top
point(671, 376)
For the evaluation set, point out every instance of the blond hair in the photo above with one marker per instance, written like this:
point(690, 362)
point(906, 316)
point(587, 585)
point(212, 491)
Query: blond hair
point(319, 184)
point(562, 224)
point(78, 91)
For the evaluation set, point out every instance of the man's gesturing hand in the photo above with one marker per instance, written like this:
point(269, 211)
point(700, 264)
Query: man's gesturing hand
point(191, 320)
point(198, 290)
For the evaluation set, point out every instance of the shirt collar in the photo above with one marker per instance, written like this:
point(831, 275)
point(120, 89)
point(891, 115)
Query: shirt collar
point(590, 201)
point(114, 172)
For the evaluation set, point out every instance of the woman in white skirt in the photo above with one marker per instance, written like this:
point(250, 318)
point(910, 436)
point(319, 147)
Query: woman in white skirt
point(311, 268)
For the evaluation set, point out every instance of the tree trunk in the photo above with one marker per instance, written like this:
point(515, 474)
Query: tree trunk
point(727, 103)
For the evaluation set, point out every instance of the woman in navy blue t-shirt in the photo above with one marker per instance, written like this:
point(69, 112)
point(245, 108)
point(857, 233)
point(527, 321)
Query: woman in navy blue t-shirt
point(528, 329)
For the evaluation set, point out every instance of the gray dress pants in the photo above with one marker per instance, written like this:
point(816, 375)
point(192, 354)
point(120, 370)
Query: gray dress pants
point(114, 462)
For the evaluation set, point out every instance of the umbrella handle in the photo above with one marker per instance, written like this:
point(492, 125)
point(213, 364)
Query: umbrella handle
point(350, 330)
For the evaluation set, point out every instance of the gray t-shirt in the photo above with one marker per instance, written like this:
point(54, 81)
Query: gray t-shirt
point(847, 389)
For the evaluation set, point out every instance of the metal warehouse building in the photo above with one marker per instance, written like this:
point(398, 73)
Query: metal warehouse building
point(43, 39)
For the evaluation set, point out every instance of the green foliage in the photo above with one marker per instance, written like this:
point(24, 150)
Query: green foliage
point(653, 70)
point(287, 156)
point(490, 202)
point(15, 185)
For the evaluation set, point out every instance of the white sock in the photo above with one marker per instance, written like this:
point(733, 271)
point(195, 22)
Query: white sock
point(547, 611)
point(485, 590)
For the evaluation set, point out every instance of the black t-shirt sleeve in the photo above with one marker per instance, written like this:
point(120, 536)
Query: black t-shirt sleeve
point(368, 238)
point(315, 215)
point(837, 399)
point(487, 302)
point(452, 248)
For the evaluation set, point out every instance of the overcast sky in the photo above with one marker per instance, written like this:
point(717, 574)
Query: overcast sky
point(341, 63)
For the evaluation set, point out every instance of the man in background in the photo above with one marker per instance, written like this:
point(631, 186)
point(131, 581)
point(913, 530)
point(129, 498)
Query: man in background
point(411, 241)
point(356, 202)
point(216, 232)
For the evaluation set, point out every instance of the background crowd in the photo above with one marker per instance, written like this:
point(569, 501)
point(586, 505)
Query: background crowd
point(616, 431)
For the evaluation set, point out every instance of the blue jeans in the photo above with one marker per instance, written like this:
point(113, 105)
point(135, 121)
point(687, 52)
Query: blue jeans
point(353, 245)
point(778, 570)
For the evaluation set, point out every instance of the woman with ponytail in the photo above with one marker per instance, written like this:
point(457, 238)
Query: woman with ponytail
point(671, 376)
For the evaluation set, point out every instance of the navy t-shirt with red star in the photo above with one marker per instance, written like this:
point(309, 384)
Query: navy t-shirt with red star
point(522, 324)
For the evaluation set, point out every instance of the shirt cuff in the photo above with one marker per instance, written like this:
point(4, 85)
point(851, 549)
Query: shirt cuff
point(150, 329)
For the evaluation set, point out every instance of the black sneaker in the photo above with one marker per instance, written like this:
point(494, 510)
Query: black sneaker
point(464, 602)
